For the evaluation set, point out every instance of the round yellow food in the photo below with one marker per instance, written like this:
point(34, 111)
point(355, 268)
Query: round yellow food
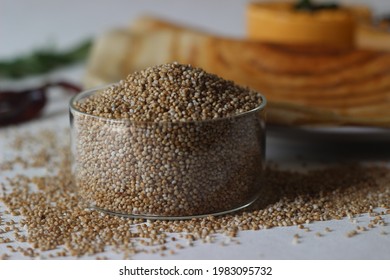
point(281, 23)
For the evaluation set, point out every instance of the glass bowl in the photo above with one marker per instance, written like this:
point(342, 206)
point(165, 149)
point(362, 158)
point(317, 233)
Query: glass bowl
point(167, 170)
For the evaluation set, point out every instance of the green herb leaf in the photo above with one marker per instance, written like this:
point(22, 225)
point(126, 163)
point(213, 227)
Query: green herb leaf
point(43, 61)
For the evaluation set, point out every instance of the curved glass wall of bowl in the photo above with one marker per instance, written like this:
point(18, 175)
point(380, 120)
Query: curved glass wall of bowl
point(168, 170)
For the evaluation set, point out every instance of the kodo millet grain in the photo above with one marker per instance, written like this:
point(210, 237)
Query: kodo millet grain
point(171, 140)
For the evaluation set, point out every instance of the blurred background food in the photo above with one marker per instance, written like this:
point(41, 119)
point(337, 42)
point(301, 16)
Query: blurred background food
point(317, 62)
point(327, 65)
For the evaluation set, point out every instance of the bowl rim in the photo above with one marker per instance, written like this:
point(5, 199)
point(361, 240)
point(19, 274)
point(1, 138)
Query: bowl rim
point(90, 91)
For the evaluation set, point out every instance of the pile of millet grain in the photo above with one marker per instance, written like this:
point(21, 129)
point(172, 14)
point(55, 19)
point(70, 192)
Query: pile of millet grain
point(46, 217)
point(171, 140)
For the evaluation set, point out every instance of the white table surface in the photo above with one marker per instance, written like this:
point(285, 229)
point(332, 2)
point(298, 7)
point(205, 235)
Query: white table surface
point(30, 24)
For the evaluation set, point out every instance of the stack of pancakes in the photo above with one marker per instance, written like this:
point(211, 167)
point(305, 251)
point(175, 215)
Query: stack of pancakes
point(303, 84)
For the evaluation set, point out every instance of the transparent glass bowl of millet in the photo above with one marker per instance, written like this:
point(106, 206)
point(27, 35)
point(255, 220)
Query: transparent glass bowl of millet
point(167, 169)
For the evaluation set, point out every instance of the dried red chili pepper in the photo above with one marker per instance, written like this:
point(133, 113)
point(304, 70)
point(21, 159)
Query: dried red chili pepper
point(21, 106)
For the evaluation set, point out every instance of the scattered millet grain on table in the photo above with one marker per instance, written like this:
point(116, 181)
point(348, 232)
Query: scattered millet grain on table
point(4, 257)
point(361, 228)
point(52, 217)
point(351, 233)
point(182, 145)
point(296, 239)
